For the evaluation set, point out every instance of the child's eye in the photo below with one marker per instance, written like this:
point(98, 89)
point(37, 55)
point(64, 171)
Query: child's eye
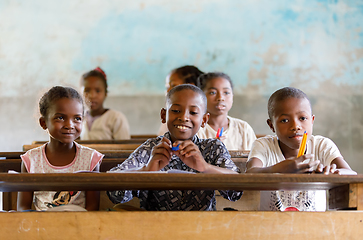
point(175, 111)
point(212, 93)
point(284, 121)
point(78, 119)
point(303, 118)
point(227, 93)
point(59, 118)
point(193, 113)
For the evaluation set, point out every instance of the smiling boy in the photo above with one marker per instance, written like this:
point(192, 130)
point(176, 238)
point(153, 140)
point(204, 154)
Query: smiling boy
point(185, 113)
point(290, 116)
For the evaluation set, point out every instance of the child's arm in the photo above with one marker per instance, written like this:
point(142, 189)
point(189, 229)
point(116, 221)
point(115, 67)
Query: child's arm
point(189, 153)
point(93, 197)
point(25, 199)
point(290, 165)
point(337, 166)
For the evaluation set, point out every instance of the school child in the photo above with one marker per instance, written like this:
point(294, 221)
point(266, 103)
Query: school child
point(61, 110)
point(290, 116)
point(101, 123)
point(236, 134)
point(180, 149)
point(185, 74)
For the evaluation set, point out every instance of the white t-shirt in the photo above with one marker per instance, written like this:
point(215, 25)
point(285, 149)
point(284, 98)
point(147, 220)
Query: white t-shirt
point(35, 161)
point(267, 149)
point(239, 134)
point(112, 125)
point(163, 129)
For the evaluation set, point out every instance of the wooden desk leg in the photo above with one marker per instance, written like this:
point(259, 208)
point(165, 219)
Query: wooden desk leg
point(346, 197)
point(359, 196)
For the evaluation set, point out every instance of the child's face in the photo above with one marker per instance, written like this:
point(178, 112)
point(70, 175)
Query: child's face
point(64, 120)
point(292, 117)
point(94, 92)
point(173, 80)
point(219, 95)
point(184, 114)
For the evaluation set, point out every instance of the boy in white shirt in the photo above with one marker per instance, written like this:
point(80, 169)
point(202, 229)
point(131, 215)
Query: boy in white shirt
point(290, 116)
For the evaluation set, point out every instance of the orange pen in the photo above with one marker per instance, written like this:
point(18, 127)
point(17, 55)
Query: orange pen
point(302, 145)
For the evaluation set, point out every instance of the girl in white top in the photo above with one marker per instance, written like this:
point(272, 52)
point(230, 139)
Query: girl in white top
point(61, 111)
point(101, 123)
point(181, 75)
point(237, 134)
point(290, 116)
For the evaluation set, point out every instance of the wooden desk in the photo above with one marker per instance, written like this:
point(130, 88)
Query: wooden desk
point(181, 225)
point(346, 191)
point(172, 181)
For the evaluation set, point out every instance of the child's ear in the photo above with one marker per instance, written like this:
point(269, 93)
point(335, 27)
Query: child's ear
point(269, 123)
point(312, 119)
point(163, 115)
point(205, 119)
point(42, 123)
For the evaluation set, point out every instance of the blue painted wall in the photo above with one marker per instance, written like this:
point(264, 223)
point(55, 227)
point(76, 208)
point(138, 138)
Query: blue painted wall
point(263, 45)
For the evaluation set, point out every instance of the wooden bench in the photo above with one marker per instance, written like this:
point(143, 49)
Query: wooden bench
point(98, 147)
point(128, 141)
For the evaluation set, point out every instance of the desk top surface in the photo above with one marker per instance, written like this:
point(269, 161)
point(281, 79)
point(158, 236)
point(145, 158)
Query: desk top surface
point(172, 181)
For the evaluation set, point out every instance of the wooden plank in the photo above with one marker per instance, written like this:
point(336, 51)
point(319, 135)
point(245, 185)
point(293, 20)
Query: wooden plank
point(143, 136)
point(172, 181)
point(182, 225)
point(124, 141)
point(114, 153)
point(110, 160)
point(99, 147)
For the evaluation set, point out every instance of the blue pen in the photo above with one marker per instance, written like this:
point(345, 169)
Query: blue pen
point(220, 134)
point(175, 148)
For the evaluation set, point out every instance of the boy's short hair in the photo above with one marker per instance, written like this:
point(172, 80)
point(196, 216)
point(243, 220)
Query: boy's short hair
point(188, 87)
point(282, 94)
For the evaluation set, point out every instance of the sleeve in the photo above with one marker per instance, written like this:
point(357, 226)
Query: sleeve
point(26, 160)
point(96, 159)
point(223, 159)
point(258, 150)
point(121, 128)
point(137, 159)
point(327, 151)
point(250, 137)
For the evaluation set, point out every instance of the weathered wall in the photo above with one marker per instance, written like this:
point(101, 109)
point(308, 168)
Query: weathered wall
point(263, 45)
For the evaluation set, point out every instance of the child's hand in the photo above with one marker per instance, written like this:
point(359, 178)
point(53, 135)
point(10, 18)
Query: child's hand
point(160, 156)
point(189, 153)
point(327, 169)
point(296, 165)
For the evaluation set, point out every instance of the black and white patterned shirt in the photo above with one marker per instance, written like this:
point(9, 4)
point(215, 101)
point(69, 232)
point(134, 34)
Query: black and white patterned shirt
point(214, 153)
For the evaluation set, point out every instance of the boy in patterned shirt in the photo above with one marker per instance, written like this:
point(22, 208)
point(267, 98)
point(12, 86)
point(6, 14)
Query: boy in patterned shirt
point(185, 113)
